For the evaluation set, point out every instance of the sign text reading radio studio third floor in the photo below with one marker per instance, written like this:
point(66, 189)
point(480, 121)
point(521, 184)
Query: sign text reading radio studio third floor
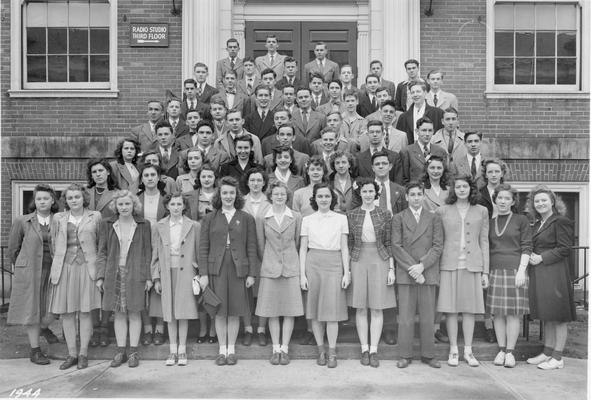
point(148, 35)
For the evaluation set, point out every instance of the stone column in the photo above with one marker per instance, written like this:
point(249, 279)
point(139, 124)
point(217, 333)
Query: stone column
point(363, 41)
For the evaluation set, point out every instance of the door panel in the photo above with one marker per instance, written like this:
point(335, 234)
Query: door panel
point(288, 36)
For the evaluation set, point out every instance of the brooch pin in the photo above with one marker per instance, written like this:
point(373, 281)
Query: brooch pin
point(237, 222)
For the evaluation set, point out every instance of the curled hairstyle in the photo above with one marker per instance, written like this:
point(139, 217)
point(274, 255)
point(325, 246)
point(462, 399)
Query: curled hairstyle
point(443, 181)
point(499, 162)
point(558, 205)
point(452, 198)
point(323, 185)
point(362, 181)
point(43, 187)
point(315, 161)
point(119, 194)
point(216, 201)
point(505, 187)
point(119, 150)
point(185, 156)
point(251, 171)
point(277, 151)
point(340, 154)
point(169, 196)
point(160, 185)
point(76, 187)
point(205, 167)
point(278, 184)
point(111, 183)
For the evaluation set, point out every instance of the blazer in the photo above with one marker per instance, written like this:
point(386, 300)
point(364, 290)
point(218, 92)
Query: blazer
point(197, 205)
point(381, 220)
point(397, 199)
point(264, 62)
point(181, 128)
point(364, 108)
point(123, 177)
point(248, 206)
point(299, 144)
point(364, 165)
point(486, 201)
point(208, 91)
point(224, 65)
point(397, 140)
point(300, 160)
point(432, 201)
point(171, 168)
point(413, 161)
point(261, 128)
point(445, 100)
point(553, 241)
point(275, 103)
point(202, 109)
point(294, 183)
point(25, 253)
point(345, 197)
point(137, 262)
point(87, 235)
point(185, 142)
point(242, 86)
point(476, 231)
point(405, 120)
point(401, 97)
point(216, 156)
point(329, 106)
point(281, 83)
point(144, 135)
point(414, 243)
point(316, 123)
point(178, 301)
point(323, 100)
point(103, 203)
point(160, 213)
point(234, 169)
point(330, 70)
point(279, 244)
point(243, 243)
point(225, 144)
point(240, 100)
point(441, 139)
point(460, 167)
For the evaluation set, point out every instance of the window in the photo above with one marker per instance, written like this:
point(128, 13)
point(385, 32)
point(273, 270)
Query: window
point(64, 48)
point(537, 46)
point(22, 195)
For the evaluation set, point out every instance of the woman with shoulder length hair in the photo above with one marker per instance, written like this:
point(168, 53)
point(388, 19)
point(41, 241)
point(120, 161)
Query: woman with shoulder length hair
point(324, 270)
point(29, 251)
point(125, 168)
point(74, 287)
point(201, 197)
point(372, 267)
point(464, 264)
point(123, 265)
point(285, 170)
point(550, 289)
point(228, 236)
point(315, 172)
point(101, 186)
point(493, 174)
point(174, 265)
point(436, 180)
point(192, 162)
point(341, 180)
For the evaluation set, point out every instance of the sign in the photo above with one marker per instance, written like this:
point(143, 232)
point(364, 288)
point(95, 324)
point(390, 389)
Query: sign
point(148, 35)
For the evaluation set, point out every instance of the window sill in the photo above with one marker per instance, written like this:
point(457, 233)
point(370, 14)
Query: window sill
point(536, 95)
point(33, 93)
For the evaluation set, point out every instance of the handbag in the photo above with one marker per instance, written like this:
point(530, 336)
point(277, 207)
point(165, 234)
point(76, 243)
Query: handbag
point(196, 286)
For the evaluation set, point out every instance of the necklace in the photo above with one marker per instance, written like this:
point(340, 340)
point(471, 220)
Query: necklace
point(499, 234)
point(99, 190)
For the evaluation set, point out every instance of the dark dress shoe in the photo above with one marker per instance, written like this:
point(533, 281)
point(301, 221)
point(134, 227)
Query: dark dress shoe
point(70, 362)
point(38, 357)
point(262, 338)
point(82, 361)
point(332, 361)
point(94, 339)
point(364, 358)
point(390, 337)
point(232, 359)
point(403, 362)
point(201, 339)
point(275, 359)
point(212, 339)
point(433, 363)
point(441, 337)
point(49, 336)
point(119, 359)
point(284, 358)
point(134, 360)
point(158, 338)
point(321, 360)
point(103, 339)
point(374, 361)
point(147, 339)
point(220, 360)
point(491, 337)
point(308, 339)
point(247, 339)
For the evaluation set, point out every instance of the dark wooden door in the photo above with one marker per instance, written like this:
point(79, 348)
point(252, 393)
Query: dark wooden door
point(297, 39)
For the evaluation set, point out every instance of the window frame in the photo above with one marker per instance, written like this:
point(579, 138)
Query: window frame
point(58, 89)
point(579, 90)
point(20, 186)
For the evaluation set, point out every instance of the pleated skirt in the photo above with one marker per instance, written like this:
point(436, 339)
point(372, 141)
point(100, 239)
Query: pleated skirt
point(503, 298)
point(75, 291)
point(280, 297)
point(326, 300)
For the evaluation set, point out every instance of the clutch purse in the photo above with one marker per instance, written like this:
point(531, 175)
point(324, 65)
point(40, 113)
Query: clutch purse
point(196, 286)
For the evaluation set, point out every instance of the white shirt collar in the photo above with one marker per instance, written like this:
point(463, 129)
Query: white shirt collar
point(172, 222)
point(43, 220)
point(270, 213)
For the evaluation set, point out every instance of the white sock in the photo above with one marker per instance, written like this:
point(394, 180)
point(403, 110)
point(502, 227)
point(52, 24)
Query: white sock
point(231, 349)
point(248, 329)
point(261, 329)
point(284, 348)
point(453, 349)
point(373, 349)
point(223, 350)
point(182, 349)
point(276, 348)
point(364, 348)
point(173, 348)
point(467, 349)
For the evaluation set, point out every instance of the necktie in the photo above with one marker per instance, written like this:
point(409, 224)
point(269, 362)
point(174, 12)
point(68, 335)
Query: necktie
point(373, 102)
point(249, 87)
point(305, 119)
point(271, 58)
point(174, 124)
point(232, 64)
point(417, 216)
point(425, 151)
point(450, 145)
point(199, 90)
point(473, 168)
point(387, 138)
point(165, 157)
point(317, 101)
point(383, 197)
point(263, 115)
point(192, 104)
point(435, 99)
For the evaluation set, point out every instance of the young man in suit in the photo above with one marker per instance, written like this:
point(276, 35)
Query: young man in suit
point(167, 149)
point(217, 114)
point(145, 133)
point(190, 98)
point(317, 91)
point(173, 117)
point(346, 78)
point(375, 133)
point(228, 93)
point(230, 63)
point(190, 139)
point(437, 97)
point(250, 80)
point(382, 94)
point(415, 155)
point(471, 164)
point(402, 99)
point(204, 90)
point(394, 139)
point(272, 59)
point(260, 120)
point(368, 101)
point(334, 102)
point(286, 136)
point(235, 124)
point(334, 123)
point(419, 108)
point(299, 143)
point(213, 155)
point(290, 67)
point(307, 123)
point(417, 243)
point(288, 98)
point(450, 138)
point(376, 68)
point(268, 81)
point(328, 69)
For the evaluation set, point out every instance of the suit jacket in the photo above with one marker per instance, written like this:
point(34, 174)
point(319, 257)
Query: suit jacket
point(300, 160)
point(215, 156)
point(364, 108)
point(185, 142)
point(486, 201)
point(123, 177)
point(441, 139)
point(323, 100)
point(414, 243)
point(432, 201)
point(87, 235)
point(234, 169)
point(397, 140)
point(413, 161)
point(460, 167)
point(405, 120)
point(103, 203)
point(143, 134)
point(171, 168)
point(401, 98)
point(397, 200)
point(444, 100)
point(264, 62)
point(281, 83)
point(225, 144)
point(243, 243)
point(364, 165)
point(181, 128)
point(242, 86)
point(476, 233)
point(222, 66)
point(345, 195)
point(276, 102)
point(202, 108)
point(329, 107)
point(299, 144)
point(330, 70)
point(391, 86)
point(199, 206)
point(316, 122)
point(208, 91)
point(261, 128)
point(381, 220)
point(240, 100)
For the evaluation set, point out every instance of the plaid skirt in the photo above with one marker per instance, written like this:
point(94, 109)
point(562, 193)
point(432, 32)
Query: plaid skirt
point(503, 297)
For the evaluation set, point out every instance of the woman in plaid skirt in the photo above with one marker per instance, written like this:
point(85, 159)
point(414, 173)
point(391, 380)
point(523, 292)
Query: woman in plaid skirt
point(510, 244)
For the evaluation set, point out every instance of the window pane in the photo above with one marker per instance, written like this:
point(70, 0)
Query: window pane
point(99, 14)
point(78, 14)
point(58, 68)
point(78, 68)
point(545, 17)
point(36, 14)
point(57, 39)
point(78, 41)
point(545, 45)
point(566, 16)
point(524, 44)
point(524, 71)
point(504, 71)
point(57, 14)
point(545, 73)
point(524, 16)
point(35, 40)
point(503, 44)
point(567, 44)
point(567, 71)
point(36, 69)
point(99, 41)
point(99, 68)
point(504, 16)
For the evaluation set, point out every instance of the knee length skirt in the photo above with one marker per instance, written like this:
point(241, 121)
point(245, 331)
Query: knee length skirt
point(326, 299)
point(280, 297)
point(503, 298)
point(75, 291)
point(230, 289)
point(460, 291)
